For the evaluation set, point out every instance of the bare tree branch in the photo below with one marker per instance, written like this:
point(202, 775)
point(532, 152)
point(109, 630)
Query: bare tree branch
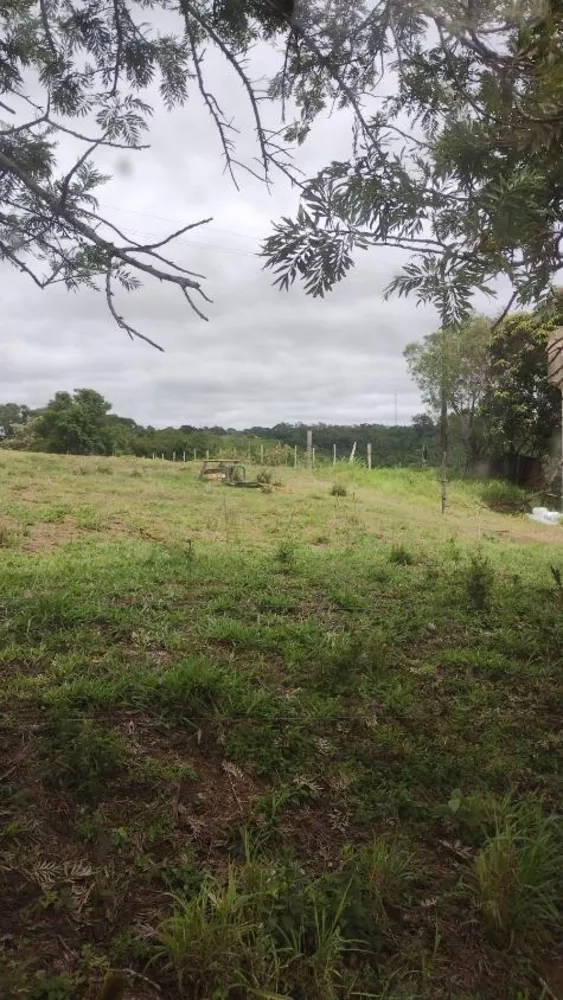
point(122, 324)
point(213, 107)
point(188, 9)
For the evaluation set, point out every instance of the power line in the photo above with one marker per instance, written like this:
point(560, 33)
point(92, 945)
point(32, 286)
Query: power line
point(164, 218)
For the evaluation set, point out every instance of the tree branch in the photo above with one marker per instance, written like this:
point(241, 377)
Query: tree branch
point(188, 9)
point(122, 324)
point(213, 107)
point(60, 210)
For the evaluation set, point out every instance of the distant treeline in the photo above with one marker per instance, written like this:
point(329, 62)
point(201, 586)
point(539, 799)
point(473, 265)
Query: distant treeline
point(81, 423)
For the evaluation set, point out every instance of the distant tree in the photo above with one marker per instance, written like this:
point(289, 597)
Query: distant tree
point(24, 436)
point(12, 414)
point(454, 364)
point(521, 408)
point(423, 425)
point(76, 422)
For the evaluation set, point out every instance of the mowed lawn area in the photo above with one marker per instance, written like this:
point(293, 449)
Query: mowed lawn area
point(276, 744)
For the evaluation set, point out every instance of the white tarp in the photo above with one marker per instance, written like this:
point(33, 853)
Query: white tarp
point(544, 516)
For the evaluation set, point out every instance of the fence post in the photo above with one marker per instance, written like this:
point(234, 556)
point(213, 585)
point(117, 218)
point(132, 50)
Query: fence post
point(173, 456)
point(153, 454)
point(162, 456)
point(309, 450)
point(313, 457)
point(207, 454)
point(195, 454)
point(261, 454)
point(184, 456)
point(334, 454)
point(353, 452)
point(294, 456)
point(369, 454)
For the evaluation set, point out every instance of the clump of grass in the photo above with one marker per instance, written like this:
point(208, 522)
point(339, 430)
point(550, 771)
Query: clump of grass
point(338, 490)
point(161, 772)
point(263, 933)
point(104, 470)
point(136, 473)
point(7, 537)
point(80, 755)
point(479, 582)
point(285, 554)
point(506, 497)
point(205, 941)
point(265, 477)
point(517, 877)
point(386, 867)
point(400, 556)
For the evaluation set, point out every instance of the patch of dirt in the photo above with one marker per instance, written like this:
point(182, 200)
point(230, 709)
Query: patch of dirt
point(78, 875)
point(50, 534)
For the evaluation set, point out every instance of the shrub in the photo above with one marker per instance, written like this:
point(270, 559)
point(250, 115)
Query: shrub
point(479, 582)
point(506, 497)
point(285, 553)
point(338, 490)
point(400, 556)
point(80, 755)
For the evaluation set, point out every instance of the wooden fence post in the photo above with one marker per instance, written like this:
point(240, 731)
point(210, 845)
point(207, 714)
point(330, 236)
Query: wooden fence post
point(309, 450)
point(353, 452)
point(294, 456)
point(334, 454)
point(369, 454)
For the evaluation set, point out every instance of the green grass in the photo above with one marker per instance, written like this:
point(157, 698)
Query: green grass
point(280, 744)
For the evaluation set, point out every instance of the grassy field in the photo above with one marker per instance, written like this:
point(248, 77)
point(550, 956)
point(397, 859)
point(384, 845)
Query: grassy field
point(280, 744)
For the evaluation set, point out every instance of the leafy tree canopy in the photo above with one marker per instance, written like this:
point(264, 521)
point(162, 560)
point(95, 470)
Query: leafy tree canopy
point(12, 414)
point(451, 368)
point(459, 162)
point(521, 408)
point(494, 381)
point(75, 422)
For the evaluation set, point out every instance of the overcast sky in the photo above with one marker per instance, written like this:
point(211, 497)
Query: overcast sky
point(264, 356)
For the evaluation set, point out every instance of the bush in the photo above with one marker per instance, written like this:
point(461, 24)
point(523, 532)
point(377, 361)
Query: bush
point(479, 582)
point(400, 556)
point(506, 497)
point(81, 756)
point(285, 553)
point(338, 490)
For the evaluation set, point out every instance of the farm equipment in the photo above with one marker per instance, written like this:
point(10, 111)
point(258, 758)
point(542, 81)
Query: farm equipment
point(227, 471)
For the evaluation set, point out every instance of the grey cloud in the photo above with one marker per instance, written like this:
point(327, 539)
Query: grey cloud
point(264, 356)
